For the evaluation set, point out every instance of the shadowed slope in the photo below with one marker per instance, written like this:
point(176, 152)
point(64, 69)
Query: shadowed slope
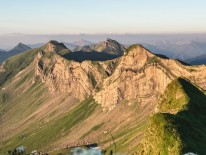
point(180, 125)
point(16, 50)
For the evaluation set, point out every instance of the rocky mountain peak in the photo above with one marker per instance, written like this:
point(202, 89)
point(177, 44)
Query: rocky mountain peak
point(54, 46)
point(111, 47)
point(110, 40)
point(143, 75)
point(138, 75)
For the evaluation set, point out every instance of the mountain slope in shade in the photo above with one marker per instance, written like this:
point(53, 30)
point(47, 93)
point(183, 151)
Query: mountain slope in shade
point(102, 51)
point(179, 125)
point(199, 60)
point(2, 52)
point(16, 50)
point(20, 47)
point(70, 46)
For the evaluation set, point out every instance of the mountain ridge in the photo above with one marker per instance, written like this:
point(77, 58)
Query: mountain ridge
point(199, 60)
point(175, 128)
point(89, 101)
point(16, 50)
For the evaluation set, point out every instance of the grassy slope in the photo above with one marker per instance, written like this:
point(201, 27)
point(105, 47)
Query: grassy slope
point(16, 63)
point(180, 125)
point(39, 136)
point(29, 117)
point(21, 101)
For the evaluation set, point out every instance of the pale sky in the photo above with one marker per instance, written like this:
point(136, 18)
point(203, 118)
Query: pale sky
point(102, 16)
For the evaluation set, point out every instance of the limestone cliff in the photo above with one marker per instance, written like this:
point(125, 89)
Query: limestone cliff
point(138, 75)
point(143, 76)
point(79, 80)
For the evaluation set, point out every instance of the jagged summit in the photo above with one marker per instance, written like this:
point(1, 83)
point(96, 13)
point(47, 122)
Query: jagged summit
point(136, 48)
point(54, 46)
point(110, 46)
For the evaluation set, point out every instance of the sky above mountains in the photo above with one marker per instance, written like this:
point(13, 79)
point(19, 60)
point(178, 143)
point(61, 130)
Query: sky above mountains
point(102, 16)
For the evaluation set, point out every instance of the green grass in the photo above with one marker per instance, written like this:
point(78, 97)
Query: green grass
point(23, 79)
point(29, 100)
point(166, 139)
point(60, 152)
point(124, 141)
point(63, 52)
point(42, 135)
point(92, 78)
point(152, 60)
point(181, 132)
point(174, 98)
point(95, 128)
point(16, 63)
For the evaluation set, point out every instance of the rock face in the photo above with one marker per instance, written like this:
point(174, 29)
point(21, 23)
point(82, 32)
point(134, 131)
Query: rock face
point(54, 46)
point(110, 46)
point(138, 75)
point(63, 76)
point(142, 76)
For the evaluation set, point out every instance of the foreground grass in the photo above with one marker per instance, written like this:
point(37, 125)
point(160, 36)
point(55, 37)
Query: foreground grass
point(180, 125)
point(43, 134)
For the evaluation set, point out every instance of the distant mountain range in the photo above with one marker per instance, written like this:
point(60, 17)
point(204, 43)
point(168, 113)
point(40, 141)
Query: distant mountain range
point(16, 50)
point(182, 50)
point(191, 52)
point(82, 42)
point(69, 45)
point(37, 45)
point(199, 60)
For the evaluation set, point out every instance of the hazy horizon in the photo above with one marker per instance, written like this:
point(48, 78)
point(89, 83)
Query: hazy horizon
point(11, 40)
point(128, 22)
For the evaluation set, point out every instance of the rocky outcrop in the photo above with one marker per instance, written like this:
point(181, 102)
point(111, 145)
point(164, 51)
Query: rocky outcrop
point(138, 76)
point(60, 75)
point(66, 76)
point(110, 46)
point(54, 46)
point(143, 76)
